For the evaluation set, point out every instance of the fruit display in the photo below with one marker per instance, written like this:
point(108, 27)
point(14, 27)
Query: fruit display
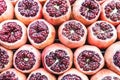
point(59, 39)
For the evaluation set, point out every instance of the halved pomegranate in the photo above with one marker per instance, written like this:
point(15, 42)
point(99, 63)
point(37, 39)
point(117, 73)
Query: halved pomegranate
point(118, 31)
point(86, 11)
point(12, 74)
point(73, 74)
point(6, 10)
point(105, 74)
point(101, 34)
point(13, 34)
point(101, 1)
point(27, 58)
point(41, 33)
point(111, 11)
point(28, 10)
point(57, 11)
point(13, 2)
point(57, 58)
point(112, 57)
point(6, 57)
point(72, 33)
point(41, 74)
point(88, 59)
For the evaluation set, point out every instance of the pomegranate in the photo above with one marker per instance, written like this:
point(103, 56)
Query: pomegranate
point(73, 74)
point(26, 59)
point(12, 74)
point(6, 57)
point(42, 1)
point(6, 10)
point(41, 74)
point(13, 2)
point(41, 33)
point(101, 34)
point(72, 33)
point(105, 74)
point(100, 1)
point(88, 59)
point(28, 10)
point(13, 34)
point(57, 58)
point(111, 11)
point(118, 31)
point(57, 11)
point(112, 57)
point(86, 11)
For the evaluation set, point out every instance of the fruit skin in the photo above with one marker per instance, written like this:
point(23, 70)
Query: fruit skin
point(10, 54)
point(101, 2)
point(54, 47)
point(43, 72)
point(9, 13)
point(18, 74)
point(74, 71)
point(109, 53)
point(37, 57)
point(19, 42)
point(103, 16)
point(118, 32)
point(102, 44)
point(27, 20)
point(70, 43)
point(88, 47)
point(49, 40)
point(13, 2)
point(102, 73)
point(56, 20)
point(79, 17)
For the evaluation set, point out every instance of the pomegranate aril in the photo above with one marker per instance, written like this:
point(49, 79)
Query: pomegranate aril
point(38, 76)
point(10, 32)
point(57, 8)
point(3, 58)
point(89, 60)
point(3, 7)
point(38, 31)
point(25, 60)
point(28, 8)
point(116, 59)
point(8, 76)
point(71, 77)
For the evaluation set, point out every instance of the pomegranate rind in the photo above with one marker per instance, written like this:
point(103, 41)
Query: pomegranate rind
point(18, 74)
point(9, 13)
point(118, 32)
point(69, 43)
point(19, 42)
point(43, 72)
point(10, 54)
point(109, 53)
point(13, 2)
point(36, 53)
point(50, 38)
point(103, 73)
point(102, 44)
point(54, 47)
point(28, 20)
point(74, 71)
point(56, 20)
point(88, 47)
point(103, 15)
point(79, 17)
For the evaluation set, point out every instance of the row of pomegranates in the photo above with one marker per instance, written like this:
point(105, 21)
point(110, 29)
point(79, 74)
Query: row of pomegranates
point(58, 59)
point(58, 11)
